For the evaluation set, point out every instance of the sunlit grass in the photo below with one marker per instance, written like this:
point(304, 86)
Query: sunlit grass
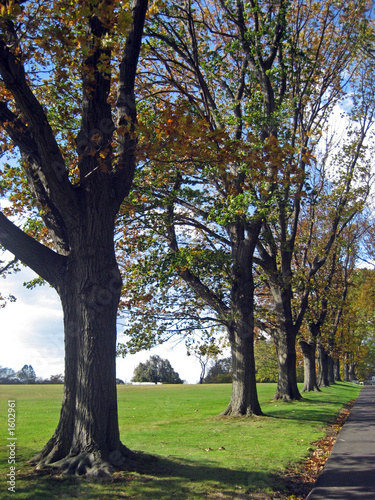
point(200, 454)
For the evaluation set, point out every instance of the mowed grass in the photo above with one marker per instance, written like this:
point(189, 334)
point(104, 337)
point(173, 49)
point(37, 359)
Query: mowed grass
point(199, 454)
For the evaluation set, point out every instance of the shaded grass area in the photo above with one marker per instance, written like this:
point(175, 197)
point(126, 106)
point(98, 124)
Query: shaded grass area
point(187, 451)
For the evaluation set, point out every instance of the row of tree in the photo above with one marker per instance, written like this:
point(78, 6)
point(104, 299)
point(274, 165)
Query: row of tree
point(26, 376)
point(252, 193)
point(242, 194)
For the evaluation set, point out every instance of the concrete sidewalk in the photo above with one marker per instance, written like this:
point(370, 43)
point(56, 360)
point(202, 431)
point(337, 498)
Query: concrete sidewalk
point(350, 470)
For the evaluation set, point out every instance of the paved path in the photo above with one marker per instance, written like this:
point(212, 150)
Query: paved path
point(350, 470)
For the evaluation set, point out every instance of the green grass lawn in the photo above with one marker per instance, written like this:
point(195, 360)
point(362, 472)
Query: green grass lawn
point(200, 455)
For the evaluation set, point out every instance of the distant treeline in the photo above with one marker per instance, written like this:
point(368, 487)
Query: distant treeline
point(26, 376)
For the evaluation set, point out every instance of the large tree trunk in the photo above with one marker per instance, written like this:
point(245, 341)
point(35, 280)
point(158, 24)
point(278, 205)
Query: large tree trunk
point(285, 339)
point(87, 439)
point(322, 367)
point(244, 399)
point(308, 351)
point(287, 388)
point(352, 374)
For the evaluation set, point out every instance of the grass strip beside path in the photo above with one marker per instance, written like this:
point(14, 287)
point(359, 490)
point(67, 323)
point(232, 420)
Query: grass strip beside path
point(199, 454)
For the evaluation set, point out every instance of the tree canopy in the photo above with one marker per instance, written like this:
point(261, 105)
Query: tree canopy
point(237, 164)
point(156, 370)
point(220, 372)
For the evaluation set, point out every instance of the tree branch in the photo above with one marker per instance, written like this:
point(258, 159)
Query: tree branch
point(126, 107)
point(8, 266)
point(41, 259)
point(23, 139)
point(52, 171)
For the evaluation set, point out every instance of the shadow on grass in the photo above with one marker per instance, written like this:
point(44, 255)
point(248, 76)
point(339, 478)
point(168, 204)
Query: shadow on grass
point(303, 414)
point(154, 477)
point(308, 411)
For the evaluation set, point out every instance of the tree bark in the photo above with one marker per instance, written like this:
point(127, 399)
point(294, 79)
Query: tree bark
point(287, 388)
point(322, 367)
point(86, 440)
point(346, 371)
point(336, 369)
point(244, 398)
point(309, 355)
point(352, 374)
point(331, 370)
point(285, 339)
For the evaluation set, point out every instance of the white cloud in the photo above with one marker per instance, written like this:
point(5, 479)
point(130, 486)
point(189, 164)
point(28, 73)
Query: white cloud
point(31, 327)
point(31, 332)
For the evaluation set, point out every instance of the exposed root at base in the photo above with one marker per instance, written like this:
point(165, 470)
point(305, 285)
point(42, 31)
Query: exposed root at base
point(286, 397)
point(314, 389)
point(229, 412)
point(87, 463)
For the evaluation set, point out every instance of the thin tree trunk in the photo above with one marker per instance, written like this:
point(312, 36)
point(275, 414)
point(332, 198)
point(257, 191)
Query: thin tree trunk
point(322, 367)
point(309, 355)
point(336, 369)
point(346, 372)
point(331, 371)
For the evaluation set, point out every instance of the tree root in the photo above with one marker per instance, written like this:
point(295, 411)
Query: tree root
point(86, 463)
point(52, 452)
point(246, 412)
point(286, 397)
point(315, 388)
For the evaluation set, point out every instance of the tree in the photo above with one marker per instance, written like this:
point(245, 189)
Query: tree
point(265, 360)
point(333, 35)
point(7, 376)
point(213, 63)
point(68, 107)
point(156, 370)
point(327, 297)
point(205, 351)
point(220, 373)
point(26, 374)
point(249, 90)
point(356, 329)
point(56, 379)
